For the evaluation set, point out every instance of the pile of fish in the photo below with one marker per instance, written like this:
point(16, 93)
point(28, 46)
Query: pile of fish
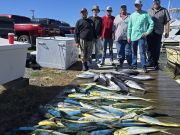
point(103, 107)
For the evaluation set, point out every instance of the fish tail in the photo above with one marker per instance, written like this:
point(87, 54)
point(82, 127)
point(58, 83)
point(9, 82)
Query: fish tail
point(171, 124)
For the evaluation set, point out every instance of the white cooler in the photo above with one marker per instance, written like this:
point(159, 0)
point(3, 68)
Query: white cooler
point(57, 52)
point(12, 60)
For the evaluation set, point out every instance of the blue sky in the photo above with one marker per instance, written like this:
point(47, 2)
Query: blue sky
point(68, 10)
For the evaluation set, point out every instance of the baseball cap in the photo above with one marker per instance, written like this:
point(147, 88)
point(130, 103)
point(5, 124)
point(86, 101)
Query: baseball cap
point(156, 1)
point(95, 7)
point(109, 8)
point(83, 10)
point(138, 2)
point(123, 6)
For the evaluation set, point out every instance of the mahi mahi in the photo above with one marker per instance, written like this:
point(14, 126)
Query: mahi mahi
point(138, 130)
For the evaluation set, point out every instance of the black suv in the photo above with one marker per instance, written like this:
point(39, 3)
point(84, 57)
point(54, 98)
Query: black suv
point(65, 28)
point(6, 26)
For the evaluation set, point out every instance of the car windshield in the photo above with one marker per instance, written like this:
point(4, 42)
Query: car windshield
point(65, 24)
point(20, 19)
point(40, 21)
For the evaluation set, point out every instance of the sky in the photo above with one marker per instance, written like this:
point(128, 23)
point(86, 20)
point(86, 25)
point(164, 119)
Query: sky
point(69, 10)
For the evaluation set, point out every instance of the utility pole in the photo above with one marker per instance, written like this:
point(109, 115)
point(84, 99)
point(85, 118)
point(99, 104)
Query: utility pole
point(33, 11)
point(169, 5)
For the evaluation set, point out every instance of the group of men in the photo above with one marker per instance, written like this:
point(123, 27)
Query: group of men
point(140, 29)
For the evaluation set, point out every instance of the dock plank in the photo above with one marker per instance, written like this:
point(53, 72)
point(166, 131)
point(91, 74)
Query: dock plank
point(165, 93)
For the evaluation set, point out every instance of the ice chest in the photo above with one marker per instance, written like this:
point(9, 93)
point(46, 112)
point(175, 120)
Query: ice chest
point(57, 52)
point(12, 60)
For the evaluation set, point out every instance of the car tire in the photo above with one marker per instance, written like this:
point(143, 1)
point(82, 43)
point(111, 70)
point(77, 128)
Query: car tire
point(24, 39)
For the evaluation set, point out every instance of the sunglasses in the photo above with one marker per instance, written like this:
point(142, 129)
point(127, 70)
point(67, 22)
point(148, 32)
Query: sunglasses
point(156, 2)
point(137, 5)
point(109, 10)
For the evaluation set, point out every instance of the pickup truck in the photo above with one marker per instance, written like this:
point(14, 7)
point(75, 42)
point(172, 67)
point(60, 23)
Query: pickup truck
point(50, 25)
point(57, 27)
point(27, 31)
point(6, 26)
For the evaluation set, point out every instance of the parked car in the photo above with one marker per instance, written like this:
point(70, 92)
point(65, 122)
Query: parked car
point(50, 25)
point(6, 26)
point(27, 31)
point(65, 28)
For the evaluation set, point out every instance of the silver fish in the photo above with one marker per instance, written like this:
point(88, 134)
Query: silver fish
point(138, 130)
point(120, 84)
point(155, 121)
point(143, 77)
point(134, 85)
point(86, 75)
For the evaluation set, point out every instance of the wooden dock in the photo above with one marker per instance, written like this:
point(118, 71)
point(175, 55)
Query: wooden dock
point(166, 94)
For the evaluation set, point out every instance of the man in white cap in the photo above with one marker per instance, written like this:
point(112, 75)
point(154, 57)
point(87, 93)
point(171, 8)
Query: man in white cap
point(123, 47)
point(84, 36)
point(98, 28)
point(107, 35)
point(139, 26)
point(161, 19)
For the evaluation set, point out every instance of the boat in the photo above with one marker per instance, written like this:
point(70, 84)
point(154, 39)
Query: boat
point(173, 56)
point(172, 43)
point(174, 34)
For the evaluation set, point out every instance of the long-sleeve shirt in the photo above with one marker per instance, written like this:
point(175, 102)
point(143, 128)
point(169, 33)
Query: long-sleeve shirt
point(121, 26)
point(107, 27)
point(138, 24)
point(84, 30)
point(98, 24)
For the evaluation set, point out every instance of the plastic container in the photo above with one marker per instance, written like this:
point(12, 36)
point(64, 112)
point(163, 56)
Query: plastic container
point(12, 60)
point(57, 52)
point(11, 38)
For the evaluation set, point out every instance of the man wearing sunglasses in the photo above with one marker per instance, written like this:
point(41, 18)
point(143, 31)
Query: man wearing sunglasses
point(161, 20)
point(107, 35)
point(139, 26)
point(84, 36)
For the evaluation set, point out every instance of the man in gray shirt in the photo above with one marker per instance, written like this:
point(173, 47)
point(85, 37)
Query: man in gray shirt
point(161, 20)
point(122, 45)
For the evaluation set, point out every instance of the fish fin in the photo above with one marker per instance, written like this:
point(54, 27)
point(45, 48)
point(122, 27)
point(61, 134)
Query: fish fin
point(148, 108)
point(165, 131)
point(88, 84)
point(150, 100)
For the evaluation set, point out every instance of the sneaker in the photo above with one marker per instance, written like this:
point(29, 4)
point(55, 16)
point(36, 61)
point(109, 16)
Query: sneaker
point(98, 62)
point(85, 66)
point(102, 64)
point(134, 67)
point(145, 70)
point(120, 66)
point(156, 68)
point(112, 64)
point(150, 65)
point(130, 67)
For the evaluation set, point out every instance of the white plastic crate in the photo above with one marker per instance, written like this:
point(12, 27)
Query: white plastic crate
point(57, 52)
point(12, 60)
